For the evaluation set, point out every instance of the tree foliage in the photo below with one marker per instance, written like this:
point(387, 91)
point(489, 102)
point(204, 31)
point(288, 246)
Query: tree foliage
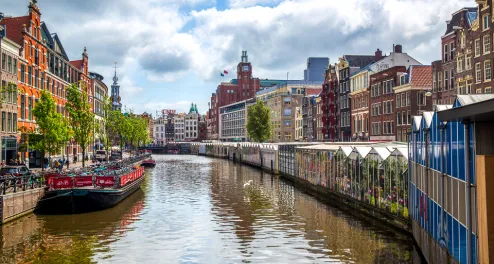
point(53, 131)
point(259, 122)
point(81, 116)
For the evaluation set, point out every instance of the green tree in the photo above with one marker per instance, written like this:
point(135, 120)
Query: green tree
point(105, 130)
point(259, 122)
point(52, 130)
point(81, 116)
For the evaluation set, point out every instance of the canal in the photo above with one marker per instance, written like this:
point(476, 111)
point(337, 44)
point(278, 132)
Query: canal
point(201, 210)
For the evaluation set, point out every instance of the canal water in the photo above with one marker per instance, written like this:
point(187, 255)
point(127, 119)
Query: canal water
point(202, 210)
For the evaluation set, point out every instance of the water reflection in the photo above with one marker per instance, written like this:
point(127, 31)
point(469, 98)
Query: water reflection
point(200, 210)
point(68, 238)
point(275, 223)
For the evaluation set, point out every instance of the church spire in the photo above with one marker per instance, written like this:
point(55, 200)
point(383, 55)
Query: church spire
point(115, 78)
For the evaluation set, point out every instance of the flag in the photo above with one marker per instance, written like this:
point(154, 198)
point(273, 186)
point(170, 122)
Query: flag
point(225, 72)
point(222, 75)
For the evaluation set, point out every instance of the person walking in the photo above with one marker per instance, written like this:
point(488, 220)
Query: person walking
point(67, 162)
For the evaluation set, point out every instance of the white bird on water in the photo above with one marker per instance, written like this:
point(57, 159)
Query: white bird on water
point(247, 183)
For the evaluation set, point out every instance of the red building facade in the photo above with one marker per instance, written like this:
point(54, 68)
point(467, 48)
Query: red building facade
point(240, 89)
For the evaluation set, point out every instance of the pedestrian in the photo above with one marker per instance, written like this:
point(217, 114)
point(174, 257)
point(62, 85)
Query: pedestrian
point(16, 162)
point(67, 162)
point(3, 163)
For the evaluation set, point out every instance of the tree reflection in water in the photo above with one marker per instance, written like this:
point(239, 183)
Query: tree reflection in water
point(68, 238)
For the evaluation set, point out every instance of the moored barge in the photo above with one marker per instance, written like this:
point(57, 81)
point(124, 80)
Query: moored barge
point(96, 189)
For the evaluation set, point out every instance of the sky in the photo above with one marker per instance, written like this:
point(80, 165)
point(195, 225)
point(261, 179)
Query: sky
point(170, 53)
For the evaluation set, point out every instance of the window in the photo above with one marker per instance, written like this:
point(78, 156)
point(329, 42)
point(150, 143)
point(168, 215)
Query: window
point(29, 75)
point(462, 40)
point(477, 47)
point(459, 64)
point(4, 61)
point(479, 90)
point(445, 58)
point(36, 76)
point(23, 106)
point(9, 122)
point(398, 118)
point(30, 108)
point(469, 87)
point(485, 22)
point(446, 80)
point(434, 81)
point(403, 102)
point(487, 44)
point(3, 121)
point(421, 98)
point(408, 98)
point(452, 79)
point(9, 64)
point(398, 101)
point(439, 81)
point(14, 123)
point(468, 62)
point(487, 70)
point(478, 73)
point(488, 90)
point(452, 51)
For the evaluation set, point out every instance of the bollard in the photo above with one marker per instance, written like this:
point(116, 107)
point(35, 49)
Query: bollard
point(272, 167)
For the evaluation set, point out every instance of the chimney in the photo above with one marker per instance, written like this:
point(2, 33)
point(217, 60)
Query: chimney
point(379, 54)
point(398, 49)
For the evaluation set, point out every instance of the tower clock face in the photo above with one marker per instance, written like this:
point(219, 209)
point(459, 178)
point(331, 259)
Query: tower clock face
point(245, 68)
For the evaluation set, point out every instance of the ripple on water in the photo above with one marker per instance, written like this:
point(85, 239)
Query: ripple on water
point(196, 210)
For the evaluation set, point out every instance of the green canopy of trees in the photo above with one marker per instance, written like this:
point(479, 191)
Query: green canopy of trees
point(259, 122)
point(53, 129)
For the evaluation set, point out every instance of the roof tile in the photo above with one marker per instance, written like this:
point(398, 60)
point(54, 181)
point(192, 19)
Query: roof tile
point(421, 76)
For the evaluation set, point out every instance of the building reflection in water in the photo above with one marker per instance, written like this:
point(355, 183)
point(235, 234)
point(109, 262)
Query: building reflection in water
point(68, 238)
point(270, 213)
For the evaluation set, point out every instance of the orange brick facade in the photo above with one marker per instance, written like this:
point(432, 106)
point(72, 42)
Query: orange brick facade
point(43, 65)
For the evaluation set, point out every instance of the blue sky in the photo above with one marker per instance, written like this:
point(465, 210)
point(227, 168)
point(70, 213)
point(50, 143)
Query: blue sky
point(170, 52)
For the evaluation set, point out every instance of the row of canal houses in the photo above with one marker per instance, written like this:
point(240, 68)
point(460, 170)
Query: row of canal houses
point(436, 187)
point(33, 59)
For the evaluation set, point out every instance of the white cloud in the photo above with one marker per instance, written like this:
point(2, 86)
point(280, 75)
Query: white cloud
point(159, 40)
point(249, 3)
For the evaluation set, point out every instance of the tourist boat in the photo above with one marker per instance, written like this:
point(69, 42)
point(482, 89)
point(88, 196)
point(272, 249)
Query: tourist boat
point(149, 163)
point(96, 189)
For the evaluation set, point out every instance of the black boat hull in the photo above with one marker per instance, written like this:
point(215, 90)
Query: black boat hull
point(148, 165)
point(70, 201)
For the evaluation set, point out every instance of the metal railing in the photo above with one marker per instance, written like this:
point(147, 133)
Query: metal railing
point(13, 184)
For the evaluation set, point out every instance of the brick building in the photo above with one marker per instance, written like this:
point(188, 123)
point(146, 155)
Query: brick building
point(242, 88)
point(411, 99)
point(328, 105)
point(483, 53)
point(347, 65)
point(100, 91)
point(381, 103)
point(463, 51)
point(43, 65)
point(8, 75)
point(359, 96)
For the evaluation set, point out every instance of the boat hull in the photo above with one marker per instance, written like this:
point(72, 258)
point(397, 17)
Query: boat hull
point(70, 201)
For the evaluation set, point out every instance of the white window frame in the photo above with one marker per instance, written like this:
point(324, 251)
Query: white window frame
point(487, 44)
point(478, 73)
point(477, 47)
point(485, 22)
point(487, 70)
